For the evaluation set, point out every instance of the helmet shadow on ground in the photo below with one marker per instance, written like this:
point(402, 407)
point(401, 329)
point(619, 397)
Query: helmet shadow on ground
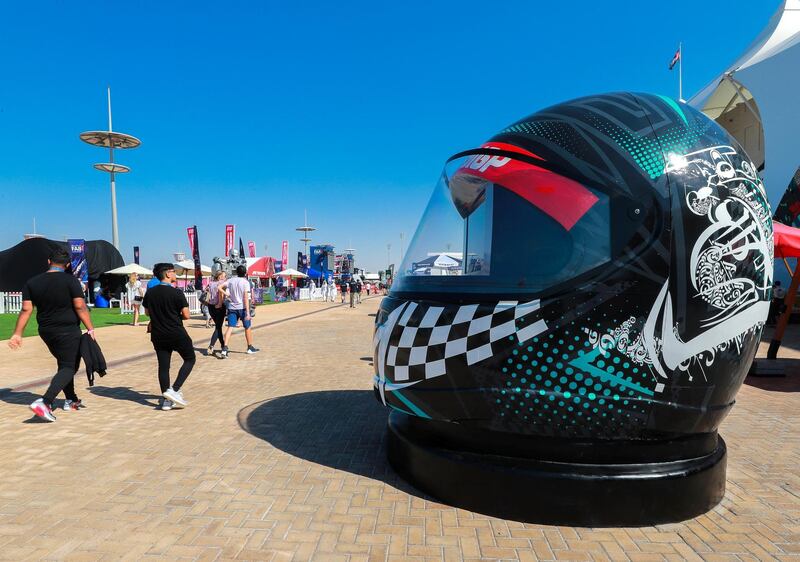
point(341, 429)
point(790, 382)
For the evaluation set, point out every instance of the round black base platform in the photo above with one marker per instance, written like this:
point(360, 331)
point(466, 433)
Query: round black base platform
point(598, 493)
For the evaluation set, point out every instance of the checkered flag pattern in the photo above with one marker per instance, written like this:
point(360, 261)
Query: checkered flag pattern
point(425, 337)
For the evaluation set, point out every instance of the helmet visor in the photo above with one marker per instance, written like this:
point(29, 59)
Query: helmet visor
point(504, 225)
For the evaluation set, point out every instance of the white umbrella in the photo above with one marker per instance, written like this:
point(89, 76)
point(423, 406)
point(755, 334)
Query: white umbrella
point(290, 273)
point(186, 267)
point(131, 268)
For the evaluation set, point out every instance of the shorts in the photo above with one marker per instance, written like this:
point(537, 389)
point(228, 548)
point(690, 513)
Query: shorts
point(235, 315)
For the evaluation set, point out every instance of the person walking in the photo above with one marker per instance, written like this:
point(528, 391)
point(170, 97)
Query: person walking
point(331, 289)
point(343, 289)
point(216, 309)
point(352, 288)
point(167, 308)
point(60, 309)
point(135, 295)
point(237, 290)
point(359, 287)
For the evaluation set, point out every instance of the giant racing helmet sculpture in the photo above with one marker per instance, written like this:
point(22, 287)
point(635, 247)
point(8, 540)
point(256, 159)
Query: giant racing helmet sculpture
point(580, 303)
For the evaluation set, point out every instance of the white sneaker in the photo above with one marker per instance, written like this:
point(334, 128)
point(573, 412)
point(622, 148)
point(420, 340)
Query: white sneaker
point(42, 410)
point(175, 396)
point(71, 405)
point(166, 405)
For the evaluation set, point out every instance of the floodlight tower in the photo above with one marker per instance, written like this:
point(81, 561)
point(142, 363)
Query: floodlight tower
point(111, 140)
point(305, 229)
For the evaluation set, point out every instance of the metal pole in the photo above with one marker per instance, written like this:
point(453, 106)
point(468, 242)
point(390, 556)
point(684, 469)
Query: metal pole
point(680, 72)
point(109, 109)
point(114, 228)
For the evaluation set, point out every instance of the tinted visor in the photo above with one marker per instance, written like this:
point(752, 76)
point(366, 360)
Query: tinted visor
point(502, 224)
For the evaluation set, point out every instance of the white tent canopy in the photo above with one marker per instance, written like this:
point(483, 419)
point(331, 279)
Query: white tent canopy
point(130, 268)
point(755, 99)
point(290, 273)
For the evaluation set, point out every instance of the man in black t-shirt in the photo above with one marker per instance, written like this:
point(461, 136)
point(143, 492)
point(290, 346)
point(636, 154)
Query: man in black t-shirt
point(167, 308)
point(60, 309)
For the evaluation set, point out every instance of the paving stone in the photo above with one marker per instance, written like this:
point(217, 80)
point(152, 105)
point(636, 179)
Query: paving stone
point(281, 456)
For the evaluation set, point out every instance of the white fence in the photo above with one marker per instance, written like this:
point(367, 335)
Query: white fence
point(10, 303)
point(126, 307)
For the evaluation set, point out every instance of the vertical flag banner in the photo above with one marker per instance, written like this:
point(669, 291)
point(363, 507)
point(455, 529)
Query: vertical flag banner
point(191, 232)
point(136, 255)
point(252, 247)
point(228, 239)
point(241, 248)
point(285, 254)
point(198, 273)
point(77, 256)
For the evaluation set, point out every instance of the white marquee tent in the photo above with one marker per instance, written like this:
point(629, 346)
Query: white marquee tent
point(756, 100)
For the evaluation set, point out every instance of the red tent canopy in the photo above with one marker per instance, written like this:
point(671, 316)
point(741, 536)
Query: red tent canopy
point(787, 241)
point(260, 267)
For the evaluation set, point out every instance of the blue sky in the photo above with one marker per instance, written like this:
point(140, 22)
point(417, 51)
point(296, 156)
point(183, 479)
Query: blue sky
point(250, 113)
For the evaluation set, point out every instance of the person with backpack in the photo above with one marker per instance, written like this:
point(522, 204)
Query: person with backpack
point(60, 309)
point(216, 308)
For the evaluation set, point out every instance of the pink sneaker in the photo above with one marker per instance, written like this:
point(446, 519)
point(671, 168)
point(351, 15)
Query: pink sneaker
point(42, 410)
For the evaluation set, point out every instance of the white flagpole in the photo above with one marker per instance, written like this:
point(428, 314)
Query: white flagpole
point(680, 72)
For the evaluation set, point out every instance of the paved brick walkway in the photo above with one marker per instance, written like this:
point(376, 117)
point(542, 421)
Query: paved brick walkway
point(281, 456)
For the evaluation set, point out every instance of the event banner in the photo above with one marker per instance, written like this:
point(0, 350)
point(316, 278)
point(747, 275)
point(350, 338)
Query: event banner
point(191, 233)
point(198, 268)
point(302, 261)
point(252, 247)
point(77, 254)
point(136, 255)
point(228, 239)
point(285, 254)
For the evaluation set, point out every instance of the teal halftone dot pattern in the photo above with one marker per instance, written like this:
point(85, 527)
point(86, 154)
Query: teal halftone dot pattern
point(647, 152)
point(563, 385)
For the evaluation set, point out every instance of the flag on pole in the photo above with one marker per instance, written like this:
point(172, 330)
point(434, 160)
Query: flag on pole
point(190, 231)
point(198, 273)
point(228, 239)
point(675, 59)
point(241, 248)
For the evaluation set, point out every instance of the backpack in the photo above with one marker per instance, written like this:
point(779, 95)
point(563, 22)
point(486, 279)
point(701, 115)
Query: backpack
point(204, 296)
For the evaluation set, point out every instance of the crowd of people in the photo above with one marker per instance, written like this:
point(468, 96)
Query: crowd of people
point(61, 308)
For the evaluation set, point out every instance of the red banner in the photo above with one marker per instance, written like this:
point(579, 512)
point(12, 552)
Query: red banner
point(228, 239)
point(251, 247)
point(285, 254)
point(190, 232)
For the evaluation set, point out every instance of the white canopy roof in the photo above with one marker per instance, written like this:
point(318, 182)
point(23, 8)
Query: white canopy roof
point(130, 268)
point(755, 99)
point(290, 273)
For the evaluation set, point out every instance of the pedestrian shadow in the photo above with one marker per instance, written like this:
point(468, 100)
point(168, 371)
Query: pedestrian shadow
point(17, 397)
point(125, 393)
point(24, 398)
point(342, 429)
